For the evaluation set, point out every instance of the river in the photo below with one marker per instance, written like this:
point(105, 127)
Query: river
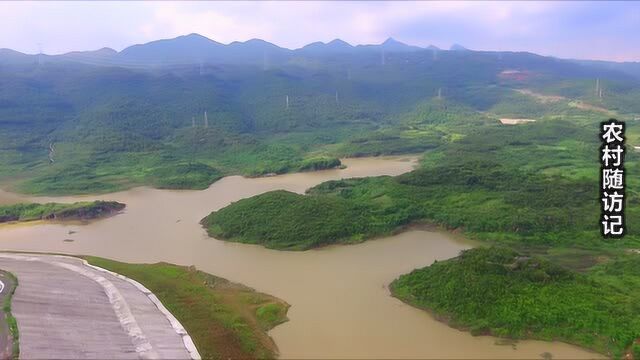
point(341, 306)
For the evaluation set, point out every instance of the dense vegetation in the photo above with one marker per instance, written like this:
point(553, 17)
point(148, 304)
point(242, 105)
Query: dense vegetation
point(498, 291)
point(56, 211)
point(111, 126)
point(306, 221)
point(224, 319)
point(184, 176)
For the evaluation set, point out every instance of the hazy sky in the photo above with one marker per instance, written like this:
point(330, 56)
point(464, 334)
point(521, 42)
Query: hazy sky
point(595, 30)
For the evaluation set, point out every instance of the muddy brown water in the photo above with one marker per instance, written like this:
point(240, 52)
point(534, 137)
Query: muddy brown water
point(341, 306)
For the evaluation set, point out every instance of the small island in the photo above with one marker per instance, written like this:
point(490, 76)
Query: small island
point(60, 212)
point(500, 292)
point(288, 221)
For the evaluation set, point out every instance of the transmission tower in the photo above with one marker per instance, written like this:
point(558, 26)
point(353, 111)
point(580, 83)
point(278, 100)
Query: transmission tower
point(39, 53)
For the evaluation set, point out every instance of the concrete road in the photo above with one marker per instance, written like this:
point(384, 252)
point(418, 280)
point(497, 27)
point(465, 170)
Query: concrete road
point(66, 309)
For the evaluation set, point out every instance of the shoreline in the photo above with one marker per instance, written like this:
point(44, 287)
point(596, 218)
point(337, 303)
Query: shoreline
point(447, 321)
point(7, 187)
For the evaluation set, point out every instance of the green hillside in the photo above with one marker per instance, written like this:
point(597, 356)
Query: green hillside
point(113, 127)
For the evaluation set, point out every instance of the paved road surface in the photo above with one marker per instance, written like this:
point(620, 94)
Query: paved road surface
point(68, 310)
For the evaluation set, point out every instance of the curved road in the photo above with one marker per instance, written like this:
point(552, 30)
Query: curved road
point(67, 309)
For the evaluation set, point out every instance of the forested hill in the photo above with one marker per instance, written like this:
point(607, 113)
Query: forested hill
point(104, 120)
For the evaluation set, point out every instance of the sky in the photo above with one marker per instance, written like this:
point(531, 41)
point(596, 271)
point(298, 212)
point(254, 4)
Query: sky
point(575, 29)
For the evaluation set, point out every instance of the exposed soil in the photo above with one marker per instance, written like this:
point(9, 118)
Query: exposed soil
point(584, 106)
point(509, 121)
point(541, 97)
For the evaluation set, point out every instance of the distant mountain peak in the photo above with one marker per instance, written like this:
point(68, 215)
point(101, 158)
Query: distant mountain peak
point(106, 50)
point(339, 42)
point(335, 45)
point(392, 41)
point(458, 47)
point(257, 41)
point(190, 38)
point(392, 44)
point(193, 36)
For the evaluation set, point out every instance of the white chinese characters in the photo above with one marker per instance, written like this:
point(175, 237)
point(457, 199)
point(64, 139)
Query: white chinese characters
point(612, 179)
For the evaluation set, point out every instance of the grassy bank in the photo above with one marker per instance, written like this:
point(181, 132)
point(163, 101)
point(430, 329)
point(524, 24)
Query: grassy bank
point(11, 325)
point(499, 292)
point(60, 212)
point(224, 319)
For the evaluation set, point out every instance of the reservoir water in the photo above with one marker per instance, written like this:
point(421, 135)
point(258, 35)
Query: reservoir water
point(341, 306)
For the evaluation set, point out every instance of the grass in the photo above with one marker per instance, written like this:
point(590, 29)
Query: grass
point(224, 319)
point(271, 315)
point(12, 324)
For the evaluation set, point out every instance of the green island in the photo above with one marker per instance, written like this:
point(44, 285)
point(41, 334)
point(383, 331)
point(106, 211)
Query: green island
point(225, 320)
point(306, 222)
point(85, 210)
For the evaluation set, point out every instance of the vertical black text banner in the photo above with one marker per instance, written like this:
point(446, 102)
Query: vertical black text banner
point(612, 182)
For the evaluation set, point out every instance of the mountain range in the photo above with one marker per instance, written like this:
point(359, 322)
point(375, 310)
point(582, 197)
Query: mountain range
point(195, 49)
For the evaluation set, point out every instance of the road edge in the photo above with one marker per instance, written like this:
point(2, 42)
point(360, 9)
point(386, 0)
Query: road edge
point(175, 324)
